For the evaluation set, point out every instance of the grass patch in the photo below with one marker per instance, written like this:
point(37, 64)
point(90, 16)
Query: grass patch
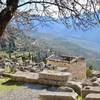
point(8, 84)
point(79, 98)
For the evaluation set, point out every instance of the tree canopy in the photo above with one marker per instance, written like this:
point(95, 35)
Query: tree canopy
point(81, 13)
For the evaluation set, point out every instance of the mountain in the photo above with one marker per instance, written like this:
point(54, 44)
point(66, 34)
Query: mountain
point(66, 41)
point(89, 39)
point(70, 41)
point(62, 45)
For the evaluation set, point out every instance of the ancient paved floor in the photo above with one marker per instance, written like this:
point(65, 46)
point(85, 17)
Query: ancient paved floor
point(19, 94)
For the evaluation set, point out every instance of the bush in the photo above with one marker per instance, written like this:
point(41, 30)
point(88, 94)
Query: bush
point(9, 69)
point(79, 98)
point(88, 72)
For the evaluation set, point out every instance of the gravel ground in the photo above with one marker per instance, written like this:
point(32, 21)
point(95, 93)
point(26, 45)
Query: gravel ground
point(22, 93)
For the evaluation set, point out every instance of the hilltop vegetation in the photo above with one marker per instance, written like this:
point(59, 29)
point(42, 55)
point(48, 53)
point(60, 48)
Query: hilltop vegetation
point(16, 41)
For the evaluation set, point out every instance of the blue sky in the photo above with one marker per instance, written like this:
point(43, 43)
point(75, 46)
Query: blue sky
point(92, 34)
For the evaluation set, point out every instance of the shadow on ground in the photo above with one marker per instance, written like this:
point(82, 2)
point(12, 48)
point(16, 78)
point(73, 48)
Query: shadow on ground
point(11, 82)
point(40, 87)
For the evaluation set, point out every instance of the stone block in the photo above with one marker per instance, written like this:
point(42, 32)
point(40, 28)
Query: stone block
point(93, 96)
point(58, 96)
point(90, 89)
point(55, 75)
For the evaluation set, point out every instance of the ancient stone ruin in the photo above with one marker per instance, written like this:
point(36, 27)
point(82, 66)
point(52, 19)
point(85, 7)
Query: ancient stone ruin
point(54, 77)
point(74, 65)
point(67, 74)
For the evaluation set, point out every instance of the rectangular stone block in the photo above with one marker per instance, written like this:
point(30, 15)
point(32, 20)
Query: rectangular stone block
point(54, 75)
point(58, 96)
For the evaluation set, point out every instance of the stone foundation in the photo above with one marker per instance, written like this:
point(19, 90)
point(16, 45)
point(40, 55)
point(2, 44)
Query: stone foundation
point(54, 77)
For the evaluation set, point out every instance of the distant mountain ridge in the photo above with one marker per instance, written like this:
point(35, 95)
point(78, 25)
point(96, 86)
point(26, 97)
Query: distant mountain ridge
point(62, 45)
point(88, 39)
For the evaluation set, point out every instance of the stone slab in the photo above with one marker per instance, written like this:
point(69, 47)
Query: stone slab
point(55, 75)
point(58, 96)
point(90, 89)
point(24, 76)
point(93, 96)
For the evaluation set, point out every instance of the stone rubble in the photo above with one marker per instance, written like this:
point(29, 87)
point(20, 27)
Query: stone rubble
point(40, 73)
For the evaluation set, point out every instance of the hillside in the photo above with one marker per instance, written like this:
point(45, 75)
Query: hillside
point(16, 41)
point(36, 41)
point(62, 45)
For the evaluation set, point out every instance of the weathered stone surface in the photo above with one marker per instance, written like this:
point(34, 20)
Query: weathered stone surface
point(96, 83)
point(96, 73)
point(51, 82)
point(76, 86)
point(93, 96)
point(90, 89)
point(75, 65)
point(65, 89)
point(54, 75)
point(58, 96)
point(35, 78)
point(86, 82)
point(24, 76)
point(1, 71)
point(93, 79)
point(98, 79)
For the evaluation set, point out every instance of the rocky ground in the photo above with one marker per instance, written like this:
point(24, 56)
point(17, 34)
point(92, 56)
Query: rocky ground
point(19, 94)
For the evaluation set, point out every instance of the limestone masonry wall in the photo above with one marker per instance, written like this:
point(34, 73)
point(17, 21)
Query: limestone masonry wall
point(77, 68)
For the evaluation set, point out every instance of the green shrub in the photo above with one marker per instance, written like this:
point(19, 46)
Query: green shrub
point(79, 98)
point(45, 61)
point(9, 69)
point(88, 72)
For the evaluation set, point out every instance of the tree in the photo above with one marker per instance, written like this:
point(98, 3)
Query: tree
point(81, 13)
point(29, 56)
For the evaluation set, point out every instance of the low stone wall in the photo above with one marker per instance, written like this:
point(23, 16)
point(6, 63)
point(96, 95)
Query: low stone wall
point(41, 78)
point(58, 96)
point(55, 75)
point(78, 68)
point(24, 77)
